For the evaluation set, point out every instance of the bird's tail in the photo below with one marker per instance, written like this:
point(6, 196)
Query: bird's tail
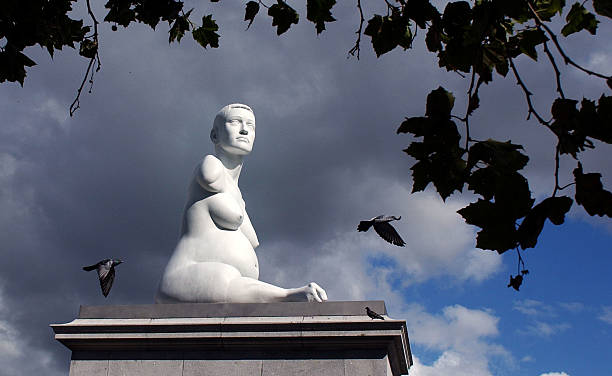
point(90, 267)
point(364, 225)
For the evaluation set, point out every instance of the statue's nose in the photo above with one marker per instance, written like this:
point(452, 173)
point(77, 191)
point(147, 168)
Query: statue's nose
point(243, 131)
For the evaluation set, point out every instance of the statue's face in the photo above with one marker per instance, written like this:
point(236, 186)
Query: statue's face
point(237, 133)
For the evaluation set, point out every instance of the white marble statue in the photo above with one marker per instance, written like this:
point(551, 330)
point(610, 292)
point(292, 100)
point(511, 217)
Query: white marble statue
point(215, 260)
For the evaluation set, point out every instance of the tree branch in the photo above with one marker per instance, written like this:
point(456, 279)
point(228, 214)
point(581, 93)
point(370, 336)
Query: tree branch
point(356, 48)
point(528, 95)
point(557, 72)
point(553, 37)
point(76, 103)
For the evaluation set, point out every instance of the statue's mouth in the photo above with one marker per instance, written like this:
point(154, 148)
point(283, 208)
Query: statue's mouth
point(243, 139)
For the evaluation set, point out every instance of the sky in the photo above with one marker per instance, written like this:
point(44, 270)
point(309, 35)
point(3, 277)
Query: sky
point(112, 182)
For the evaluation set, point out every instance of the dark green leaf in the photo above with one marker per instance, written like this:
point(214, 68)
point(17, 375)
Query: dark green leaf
point(516, 282)
point(439, 156)
point(457, 17)
point(421, 11)
point(573, 127)
point(603, 7)
point(415, 125)
point(473, 104)
point(579, 19)
point(590, 193)
point(206, 34)
point(283, 16)
point(439, 103)
point(152, 12)
point(319, 12)
point(12, 65)
point(526, 42)
point(120, 12)
point(498, 230)
point(553, 208)
point(252, 8)
point(504, 156)
point(546, 9)
point(180, 26)
point(388, 32)
point(420, 175)
point(433, 39)
point(89, 48)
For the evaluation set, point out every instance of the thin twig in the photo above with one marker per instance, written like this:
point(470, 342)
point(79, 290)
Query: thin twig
point(557, 72)
point(553, 37)
point(76, 103)
point(468, 112)
point(528, 95)
point(264, 5)
point(557, 152)
point(356, 48)
point(566, 185)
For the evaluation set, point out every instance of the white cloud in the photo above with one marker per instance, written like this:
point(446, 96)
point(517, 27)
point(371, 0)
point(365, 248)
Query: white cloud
point(544, 329)
point(554, 374)
point(17, 357)
point(532, 307)
point(51, 108)
point(527, 359)
point(600, 62)
point(438, 241)
point(606, 315)
point(573, 307)
point(462, 335)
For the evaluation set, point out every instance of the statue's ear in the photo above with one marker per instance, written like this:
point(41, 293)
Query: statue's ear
point(213, 135)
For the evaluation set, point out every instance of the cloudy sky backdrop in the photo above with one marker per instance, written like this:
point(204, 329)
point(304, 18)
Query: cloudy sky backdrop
point(111, 182)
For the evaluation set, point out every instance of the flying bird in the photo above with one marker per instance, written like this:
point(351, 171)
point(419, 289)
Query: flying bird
point(383, 228)
point(106, 273)
point(373, 314)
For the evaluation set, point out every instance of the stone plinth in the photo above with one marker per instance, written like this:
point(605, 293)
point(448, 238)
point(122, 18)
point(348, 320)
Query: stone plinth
point(271, 339)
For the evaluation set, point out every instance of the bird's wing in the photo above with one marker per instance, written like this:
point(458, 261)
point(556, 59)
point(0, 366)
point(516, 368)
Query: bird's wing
point(95, 266)
point(364, 225)
point(387, 232)
point(106, 280)
point(374, 315)
point(90, 267)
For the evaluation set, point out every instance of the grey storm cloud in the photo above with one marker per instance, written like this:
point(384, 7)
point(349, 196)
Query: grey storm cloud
point(111, 181)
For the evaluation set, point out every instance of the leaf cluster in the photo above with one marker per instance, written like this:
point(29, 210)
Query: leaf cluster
point(480, 39)
point(36, 22)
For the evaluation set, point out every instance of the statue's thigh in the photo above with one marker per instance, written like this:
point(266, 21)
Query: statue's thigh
point(225, 211)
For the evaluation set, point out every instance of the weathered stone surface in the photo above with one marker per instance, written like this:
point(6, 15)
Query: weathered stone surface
point(222, 368)
point(202, 310)
point(366, 367)
point(298, 367)
point(89, 367)
point(307, 344)
point(137, 367)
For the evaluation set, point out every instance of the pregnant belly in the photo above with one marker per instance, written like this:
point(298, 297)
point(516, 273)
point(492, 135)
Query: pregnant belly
point(227, 247)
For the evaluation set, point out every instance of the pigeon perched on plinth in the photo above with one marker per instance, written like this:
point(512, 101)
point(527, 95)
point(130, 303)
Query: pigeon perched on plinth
point(106, 273)
point(383, 228)
point(373, 314)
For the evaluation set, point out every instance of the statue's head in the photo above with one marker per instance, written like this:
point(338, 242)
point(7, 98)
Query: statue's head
point(234, 129)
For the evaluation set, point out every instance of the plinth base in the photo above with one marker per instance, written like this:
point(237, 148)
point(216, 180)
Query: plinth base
point(332, 338)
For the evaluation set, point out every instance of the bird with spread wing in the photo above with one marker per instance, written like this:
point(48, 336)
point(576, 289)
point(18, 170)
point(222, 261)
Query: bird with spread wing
point(106, 273)
point(383, 228)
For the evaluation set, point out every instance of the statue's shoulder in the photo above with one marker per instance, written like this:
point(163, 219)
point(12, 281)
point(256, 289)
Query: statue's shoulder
point(210, 161)
point(210, 169)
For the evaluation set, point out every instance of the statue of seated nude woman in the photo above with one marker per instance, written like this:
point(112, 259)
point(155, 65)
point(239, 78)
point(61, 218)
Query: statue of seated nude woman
point(214, 260)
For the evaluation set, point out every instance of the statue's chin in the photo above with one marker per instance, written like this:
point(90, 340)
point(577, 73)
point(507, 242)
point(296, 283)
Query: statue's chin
point(242, 150)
